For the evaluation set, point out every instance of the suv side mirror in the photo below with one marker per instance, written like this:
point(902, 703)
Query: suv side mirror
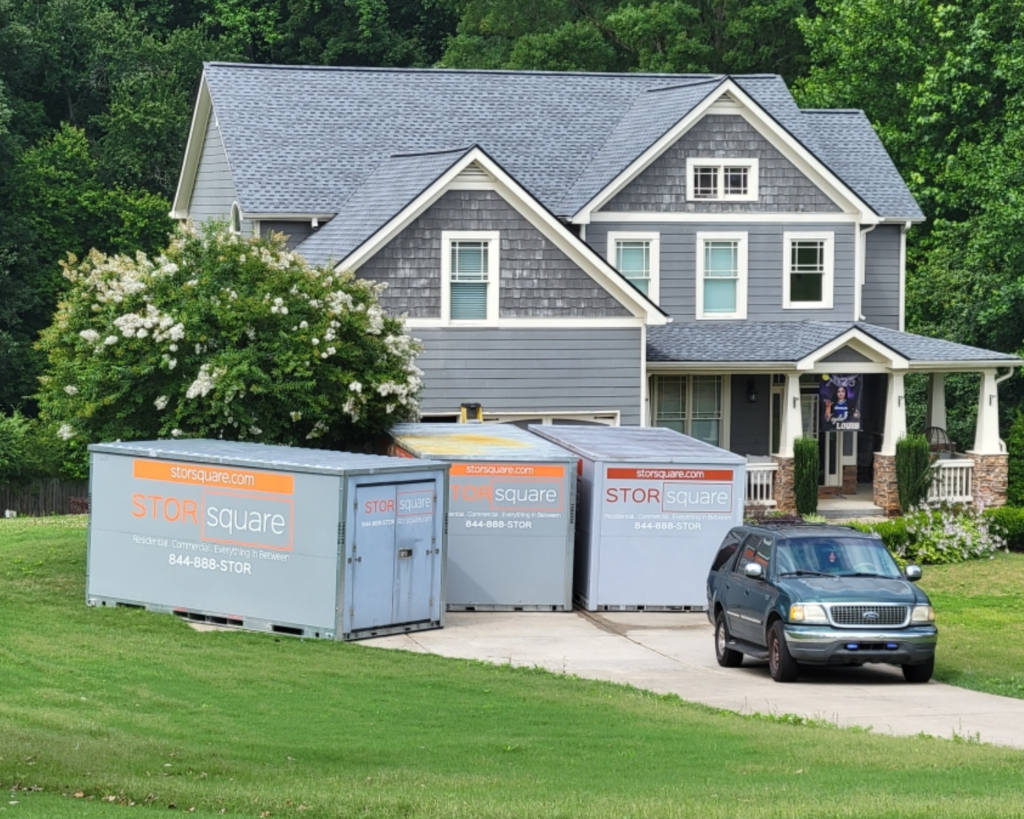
point(755, 571)
point(912, 573)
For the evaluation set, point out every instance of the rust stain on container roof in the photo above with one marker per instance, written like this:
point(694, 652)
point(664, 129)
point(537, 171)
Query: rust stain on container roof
point(467, 443)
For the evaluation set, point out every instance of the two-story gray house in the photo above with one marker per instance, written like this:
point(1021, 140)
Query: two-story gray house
point(691, 251)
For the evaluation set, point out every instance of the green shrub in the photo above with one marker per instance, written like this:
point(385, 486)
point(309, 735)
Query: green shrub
point(14, 434)
point(913, 470)
point(806, 467)
point(1009, 523)
point(943, 534)
point(1015, 446)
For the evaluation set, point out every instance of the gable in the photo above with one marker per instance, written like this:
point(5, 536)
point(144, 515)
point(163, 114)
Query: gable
point(537, 280)
point(845, 355)
point(213, 191)
point(661, 187)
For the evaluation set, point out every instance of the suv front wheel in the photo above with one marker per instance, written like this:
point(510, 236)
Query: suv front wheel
point(781, 664)
point(919, 672)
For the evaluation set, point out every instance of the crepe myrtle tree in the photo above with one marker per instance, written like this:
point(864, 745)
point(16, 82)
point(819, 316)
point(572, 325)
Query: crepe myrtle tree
point(222, 336)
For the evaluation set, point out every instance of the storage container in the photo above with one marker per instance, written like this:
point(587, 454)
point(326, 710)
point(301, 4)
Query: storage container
point(510, 514)
point(653, 508)
point(329, 545)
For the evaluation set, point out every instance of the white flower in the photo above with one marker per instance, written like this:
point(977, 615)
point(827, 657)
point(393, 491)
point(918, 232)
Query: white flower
point(355, 386)
point(109, 340)
point(175, 433)
point(331, 351)
point(316, 341)
point(173, 348)
point(255, 430)
point(204, 382)
point(199, 349)
point(323, 355)
point(90, 335)
point(303, 324)
point(172, 363)
point(70, 389)
point(66, 432)
point(161, 402)
point(296, 416)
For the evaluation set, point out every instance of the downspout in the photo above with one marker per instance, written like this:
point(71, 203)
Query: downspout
point(861, 271)
point(903, 276)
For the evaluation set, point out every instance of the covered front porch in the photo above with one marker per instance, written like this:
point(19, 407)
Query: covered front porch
point(772, 394)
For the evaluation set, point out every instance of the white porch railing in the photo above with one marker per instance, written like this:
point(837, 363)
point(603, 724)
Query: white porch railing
point(953, 481)
point(761, 481)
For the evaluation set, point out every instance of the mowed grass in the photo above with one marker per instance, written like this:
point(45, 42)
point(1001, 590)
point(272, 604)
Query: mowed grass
point(980, 608)
point(138, 707)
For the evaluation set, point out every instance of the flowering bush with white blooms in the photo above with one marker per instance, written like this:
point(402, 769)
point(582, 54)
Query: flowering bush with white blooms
point(224, 337)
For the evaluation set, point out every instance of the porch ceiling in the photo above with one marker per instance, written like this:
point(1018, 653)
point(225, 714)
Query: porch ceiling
point(761, 344)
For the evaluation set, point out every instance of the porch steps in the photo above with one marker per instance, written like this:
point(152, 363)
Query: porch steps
point(852, 511)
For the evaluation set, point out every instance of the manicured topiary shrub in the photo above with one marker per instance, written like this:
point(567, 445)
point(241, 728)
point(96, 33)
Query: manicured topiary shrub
point(1015, 445)
point(806, 468)
point(913, 470)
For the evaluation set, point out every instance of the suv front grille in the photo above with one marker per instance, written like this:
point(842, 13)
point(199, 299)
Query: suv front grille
point(862, 615)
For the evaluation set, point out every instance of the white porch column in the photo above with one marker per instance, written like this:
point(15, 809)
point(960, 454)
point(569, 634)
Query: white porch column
point(986, 436)
point(895, 414)
point(935, 415)
point(792, 426)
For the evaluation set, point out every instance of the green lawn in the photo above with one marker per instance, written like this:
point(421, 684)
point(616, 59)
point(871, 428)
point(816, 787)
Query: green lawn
point(137, 706)
point(980, 611)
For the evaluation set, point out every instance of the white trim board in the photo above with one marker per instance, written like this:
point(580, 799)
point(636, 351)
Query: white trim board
point(556, 322)
point(580, 253)
point(735, 218)
point(201, 113)
point(828, 269)
point(743, 274)
point(785, 143)
point(654, 256)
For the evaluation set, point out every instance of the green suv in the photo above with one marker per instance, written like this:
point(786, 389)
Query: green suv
point(821, 595)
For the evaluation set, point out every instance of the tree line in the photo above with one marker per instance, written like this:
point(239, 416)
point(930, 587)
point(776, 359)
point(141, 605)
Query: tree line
point(96, 98)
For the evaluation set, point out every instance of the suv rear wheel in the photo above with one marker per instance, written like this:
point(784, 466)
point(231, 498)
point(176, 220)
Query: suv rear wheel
point(726, 656)
point(920, 672)
point(781, 664)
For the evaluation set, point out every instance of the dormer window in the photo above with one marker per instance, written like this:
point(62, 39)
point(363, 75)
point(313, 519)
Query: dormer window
point(721, 180)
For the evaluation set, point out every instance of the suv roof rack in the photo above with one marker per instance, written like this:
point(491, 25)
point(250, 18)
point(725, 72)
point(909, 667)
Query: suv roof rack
point(797, 524)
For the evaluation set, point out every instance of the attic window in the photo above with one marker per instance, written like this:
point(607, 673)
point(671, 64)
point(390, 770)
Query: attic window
point(721, 180)
point(236, 218)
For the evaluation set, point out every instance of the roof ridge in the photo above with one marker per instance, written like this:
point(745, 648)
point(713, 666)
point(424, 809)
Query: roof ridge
point(831, 110)
point(711, 78)
point(432, 70)
point(461, 150)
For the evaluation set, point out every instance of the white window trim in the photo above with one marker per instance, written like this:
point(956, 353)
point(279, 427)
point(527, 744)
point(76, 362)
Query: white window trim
point(235, 223)
point(724, 425)
point(753, 178)
point(828, 279)
point(492, 237)
point(741, 283)
point(654, 286)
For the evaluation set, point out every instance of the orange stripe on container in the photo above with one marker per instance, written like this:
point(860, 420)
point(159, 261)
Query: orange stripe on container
point(214, 475)
point(487, 470)
point(669, 474)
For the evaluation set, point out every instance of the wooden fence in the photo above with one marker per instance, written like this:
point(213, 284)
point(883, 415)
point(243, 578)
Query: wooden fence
point(46, 497)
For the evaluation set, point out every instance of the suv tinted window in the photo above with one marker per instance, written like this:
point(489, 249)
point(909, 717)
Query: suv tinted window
point(726, 550)
point(756, 549)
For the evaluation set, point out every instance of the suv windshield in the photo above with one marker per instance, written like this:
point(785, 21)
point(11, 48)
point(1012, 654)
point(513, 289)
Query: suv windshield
point(835, 556)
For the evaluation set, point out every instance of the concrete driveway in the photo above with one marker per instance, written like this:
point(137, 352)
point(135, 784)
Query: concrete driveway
point(674, 653)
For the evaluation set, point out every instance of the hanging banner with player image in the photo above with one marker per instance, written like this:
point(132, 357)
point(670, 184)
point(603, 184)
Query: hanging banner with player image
point(839, 401)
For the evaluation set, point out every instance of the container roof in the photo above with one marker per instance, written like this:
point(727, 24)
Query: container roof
point(481, 442)
point(635, 444)
point(264, 456)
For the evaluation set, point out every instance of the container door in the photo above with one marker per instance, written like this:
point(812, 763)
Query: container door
point(373, 555)
point(417, 552)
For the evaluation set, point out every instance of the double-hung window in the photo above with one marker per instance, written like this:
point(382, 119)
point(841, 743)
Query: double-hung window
point(721, 276)
point(635, 256)
point(721, 180)
point(469, 273)
point(807, 264)
point(690, 404)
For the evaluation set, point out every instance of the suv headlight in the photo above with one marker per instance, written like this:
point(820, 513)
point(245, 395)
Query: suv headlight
point(807, 613)
point(923, 614)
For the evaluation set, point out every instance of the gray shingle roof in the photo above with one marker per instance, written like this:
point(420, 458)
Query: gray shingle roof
point(785, 341)
point(303, 140)
point(389, 188)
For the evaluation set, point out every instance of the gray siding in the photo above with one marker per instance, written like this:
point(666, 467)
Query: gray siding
point(662, 185)
point(295, 231)
point(749, 424)
point(536, 278)
point(880, 299)
point(764, 262)
point(214, 192)
point(845, 355)
point(532, 370)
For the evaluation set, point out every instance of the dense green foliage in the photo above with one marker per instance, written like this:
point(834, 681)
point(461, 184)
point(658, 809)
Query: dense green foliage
point(112, 702)
point(913, 470)
point(1008, 522)
point(806, 475)
point(934, 535)
point(96, 97)
point(1015, 447)
point(224, 337)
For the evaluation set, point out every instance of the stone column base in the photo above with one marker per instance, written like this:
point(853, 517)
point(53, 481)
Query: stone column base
point(785, 494)
point(991, 474)
point(886, 494)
